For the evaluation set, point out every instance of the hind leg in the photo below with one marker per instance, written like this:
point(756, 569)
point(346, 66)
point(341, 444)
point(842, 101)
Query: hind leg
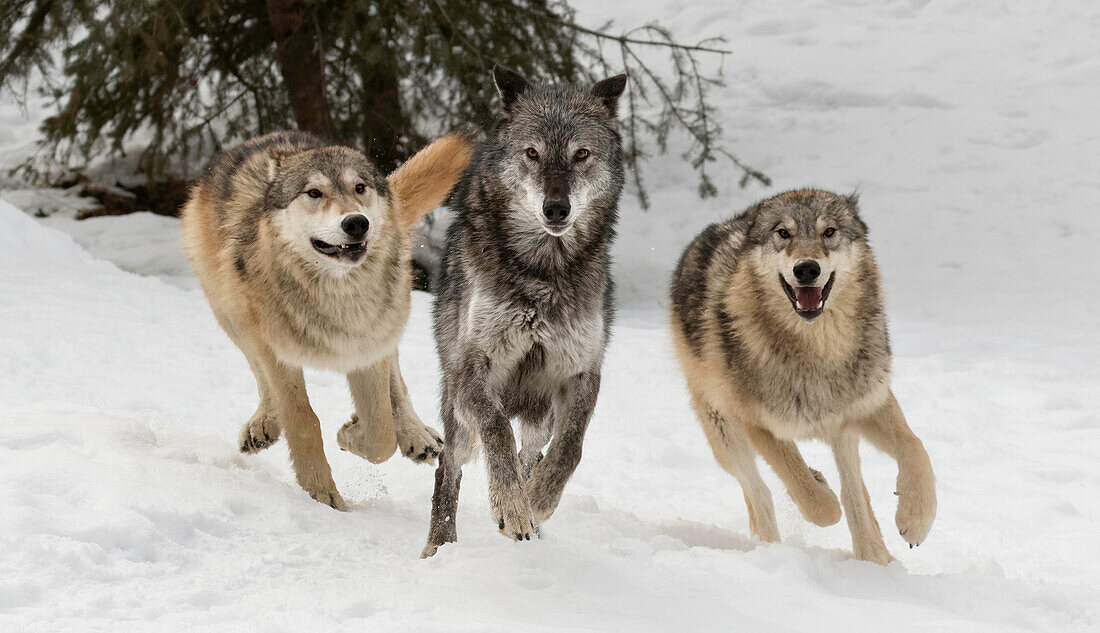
point(734, 452)
point(415, 440)
point(262, 429)
point(916, 483)
point(867, 541)
point(534, 434)
point(458, 450)
point(806, 486)
point(370, 432)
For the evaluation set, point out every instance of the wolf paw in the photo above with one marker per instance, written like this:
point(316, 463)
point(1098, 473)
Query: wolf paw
point(355, 437)
point(528, 459)
point(331, 498)
point(512, 511)
point(429, 550)
point(261, 431)
point(419, 443)
point(874, 553)
point(916, 508)
point(822, 507)
point(543, 500)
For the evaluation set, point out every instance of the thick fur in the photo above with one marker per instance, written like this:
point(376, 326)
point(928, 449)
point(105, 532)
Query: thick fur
point(524, 306)
point(761, 375)
point(248, 229)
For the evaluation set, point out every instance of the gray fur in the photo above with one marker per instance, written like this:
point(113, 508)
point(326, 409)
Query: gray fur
point(523, 314)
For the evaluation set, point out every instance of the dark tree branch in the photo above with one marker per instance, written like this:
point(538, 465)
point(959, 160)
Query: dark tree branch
point(25, 43)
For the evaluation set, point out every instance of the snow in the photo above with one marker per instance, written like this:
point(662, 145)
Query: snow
point(968, 130)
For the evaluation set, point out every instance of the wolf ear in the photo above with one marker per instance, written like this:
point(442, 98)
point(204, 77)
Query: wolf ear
point(853, 203)
point(609, 90)
point(276, 154)
point(509, 84)
point(426, 179)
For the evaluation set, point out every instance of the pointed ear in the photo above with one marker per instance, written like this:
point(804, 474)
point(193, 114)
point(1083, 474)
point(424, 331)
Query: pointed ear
point(609, 90)
point(853, 204)
point(426, 179)
point(276, 154)
point(509, 84)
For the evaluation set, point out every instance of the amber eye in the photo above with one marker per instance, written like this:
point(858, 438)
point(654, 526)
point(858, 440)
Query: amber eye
point(532, 153)
point(314, 193)
point(581, 154)
point(829, 232)
point(360, 188)
point(784, 233)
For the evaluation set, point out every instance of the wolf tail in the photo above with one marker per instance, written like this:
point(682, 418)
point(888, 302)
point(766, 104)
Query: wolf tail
point(426, 179)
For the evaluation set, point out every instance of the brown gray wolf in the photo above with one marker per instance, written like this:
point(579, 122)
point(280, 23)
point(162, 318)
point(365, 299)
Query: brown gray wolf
point(524, 303)
point(779, 325)
point(303, 250)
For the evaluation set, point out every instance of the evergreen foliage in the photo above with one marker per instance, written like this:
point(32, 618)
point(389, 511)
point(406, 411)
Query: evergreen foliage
point(185, 78)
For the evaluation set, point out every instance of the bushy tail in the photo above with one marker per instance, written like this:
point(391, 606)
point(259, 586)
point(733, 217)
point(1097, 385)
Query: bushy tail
point(425, 180)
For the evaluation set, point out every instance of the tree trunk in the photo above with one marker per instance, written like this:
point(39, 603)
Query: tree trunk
point(298, 52)
point(383, 118)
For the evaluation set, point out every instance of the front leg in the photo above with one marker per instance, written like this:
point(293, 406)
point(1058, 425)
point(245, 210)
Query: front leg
point(916, 483)
point(300, 426)
point(370, 433)
point(474, 406)
point(572, 407)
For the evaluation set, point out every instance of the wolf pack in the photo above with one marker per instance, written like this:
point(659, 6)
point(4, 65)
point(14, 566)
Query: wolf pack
point(304, 251)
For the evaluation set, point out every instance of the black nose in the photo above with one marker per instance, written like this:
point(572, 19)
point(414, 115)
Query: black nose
point(807, 270)
point(355, 225)
point(556, 211)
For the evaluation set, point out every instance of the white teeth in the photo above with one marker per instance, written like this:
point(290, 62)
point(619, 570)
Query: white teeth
point(799, 304)
point(821, 304)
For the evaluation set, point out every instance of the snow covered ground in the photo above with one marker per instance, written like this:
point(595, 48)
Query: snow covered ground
point(969, 130)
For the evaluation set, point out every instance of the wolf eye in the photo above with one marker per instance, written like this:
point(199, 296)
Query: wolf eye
point(784, 233)
point(532, 153)
point(314, 193)
point(829, 232)
point(360, 188)
point(581, 154)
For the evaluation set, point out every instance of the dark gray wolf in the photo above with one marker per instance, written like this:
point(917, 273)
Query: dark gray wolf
point(779, 325)
point(524, 303)
point(303, 250)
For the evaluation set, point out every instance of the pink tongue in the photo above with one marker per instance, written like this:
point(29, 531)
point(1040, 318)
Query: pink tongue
point(809, 297)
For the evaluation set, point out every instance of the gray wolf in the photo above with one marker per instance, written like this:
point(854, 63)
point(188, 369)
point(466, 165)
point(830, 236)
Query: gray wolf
point(779, 325)
point(524, 303)
point(303, 250)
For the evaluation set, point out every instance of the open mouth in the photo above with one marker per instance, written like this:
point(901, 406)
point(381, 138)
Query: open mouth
point(808, 301)
point(352, 252)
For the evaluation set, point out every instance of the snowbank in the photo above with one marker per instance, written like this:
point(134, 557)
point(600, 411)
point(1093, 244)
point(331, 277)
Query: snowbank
point(126, 505)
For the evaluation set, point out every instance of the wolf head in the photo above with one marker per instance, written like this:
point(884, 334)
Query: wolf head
point(805, 242)
point(559, 153)
point(331, 206)
point(329, 202)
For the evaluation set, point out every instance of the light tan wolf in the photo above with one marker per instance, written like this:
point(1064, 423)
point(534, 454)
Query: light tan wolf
point(778, 322)
point(304, 250)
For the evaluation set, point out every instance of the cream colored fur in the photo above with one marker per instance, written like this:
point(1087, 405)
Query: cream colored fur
point(363, 307)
